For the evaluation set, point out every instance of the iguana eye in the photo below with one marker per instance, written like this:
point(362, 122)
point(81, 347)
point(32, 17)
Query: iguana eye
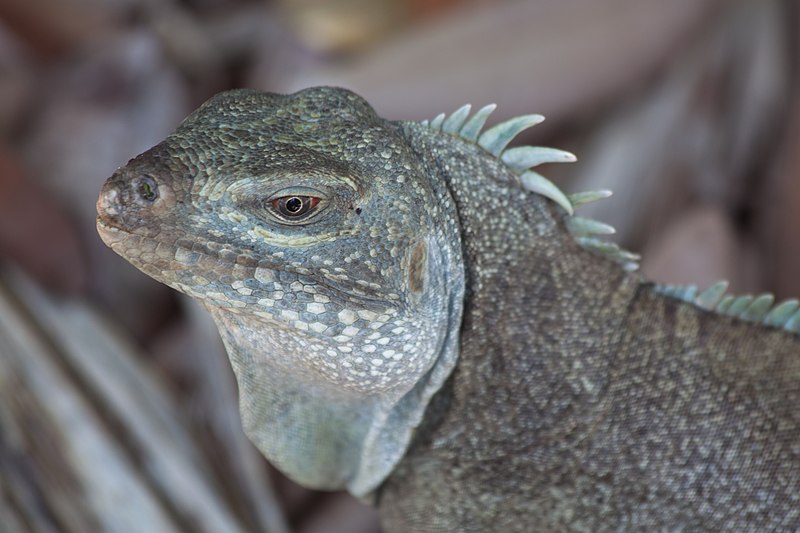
point(294, 207)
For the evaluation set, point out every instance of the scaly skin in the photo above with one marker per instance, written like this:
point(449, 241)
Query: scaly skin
point(559, 392)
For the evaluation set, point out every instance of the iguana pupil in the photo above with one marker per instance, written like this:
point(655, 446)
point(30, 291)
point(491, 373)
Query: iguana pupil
point(294, 206)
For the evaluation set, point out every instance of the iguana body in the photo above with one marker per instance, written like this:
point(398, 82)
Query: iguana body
point(408, 321)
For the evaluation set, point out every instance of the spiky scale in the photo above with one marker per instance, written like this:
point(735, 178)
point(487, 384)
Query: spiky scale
point(630, 266)
point(472, 128)
point(668, 290)
point(625, 256)
point(688, 293)
point(524, 157)
point(793, 324)
point(495, 139)
point(609, 249)
point(535, 182)
point(436, 123)
point(759, 308)
point(581, 226)
point(781, 313)
point(456, 120)
point(597, 245)
point(725, 303)
point(679, 291)
point(518, 159)
point(710, 297)
point(582, 198)
point(739, 305)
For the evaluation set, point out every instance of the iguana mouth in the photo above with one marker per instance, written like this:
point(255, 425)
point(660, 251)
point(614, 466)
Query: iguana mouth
point(188, 254)
point(108, 233)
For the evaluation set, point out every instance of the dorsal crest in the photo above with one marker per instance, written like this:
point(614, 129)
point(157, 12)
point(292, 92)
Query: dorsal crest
point(587, 232)
point(758, 309)
point(522, 160)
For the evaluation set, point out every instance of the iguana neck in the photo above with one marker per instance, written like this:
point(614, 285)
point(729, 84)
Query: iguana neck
point(535, 299)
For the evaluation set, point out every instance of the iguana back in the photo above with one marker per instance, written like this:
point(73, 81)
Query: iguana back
point(585, 400)
point(409, 319)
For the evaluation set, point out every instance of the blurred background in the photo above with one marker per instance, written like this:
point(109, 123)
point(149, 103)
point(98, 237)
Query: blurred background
point(117, 404)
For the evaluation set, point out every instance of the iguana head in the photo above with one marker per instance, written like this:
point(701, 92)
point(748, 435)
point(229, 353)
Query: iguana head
point(328, 258)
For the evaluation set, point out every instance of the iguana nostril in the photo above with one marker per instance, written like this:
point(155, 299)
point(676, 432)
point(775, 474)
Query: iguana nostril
point(146, 188)
point(108, 203)
point(125, 202)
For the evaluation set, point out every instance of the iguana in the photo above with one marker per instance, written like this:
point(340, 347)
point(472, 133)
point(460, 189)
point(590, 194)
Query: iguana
point(416, 316)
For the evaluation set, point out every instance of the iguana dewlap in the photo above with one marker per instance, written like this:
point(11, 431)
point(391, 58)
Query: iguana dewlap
point(416, 316)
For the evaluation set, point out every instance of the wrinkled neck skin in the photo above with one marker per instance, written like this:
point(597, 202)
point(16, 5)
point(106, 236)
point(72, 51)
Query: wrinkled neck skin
point(310, 423)
point(539, 337)
point(533, 294)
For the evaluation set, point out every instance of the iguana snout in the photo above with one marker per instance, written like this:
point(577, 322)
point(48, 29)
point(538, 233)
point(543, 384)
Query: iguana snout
point(127, 203)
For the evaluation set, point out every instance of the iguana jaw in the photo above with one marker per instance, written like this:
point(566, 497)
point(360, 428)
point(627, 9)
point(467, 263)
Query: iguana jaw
point(320, 433)
point(328, 423)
